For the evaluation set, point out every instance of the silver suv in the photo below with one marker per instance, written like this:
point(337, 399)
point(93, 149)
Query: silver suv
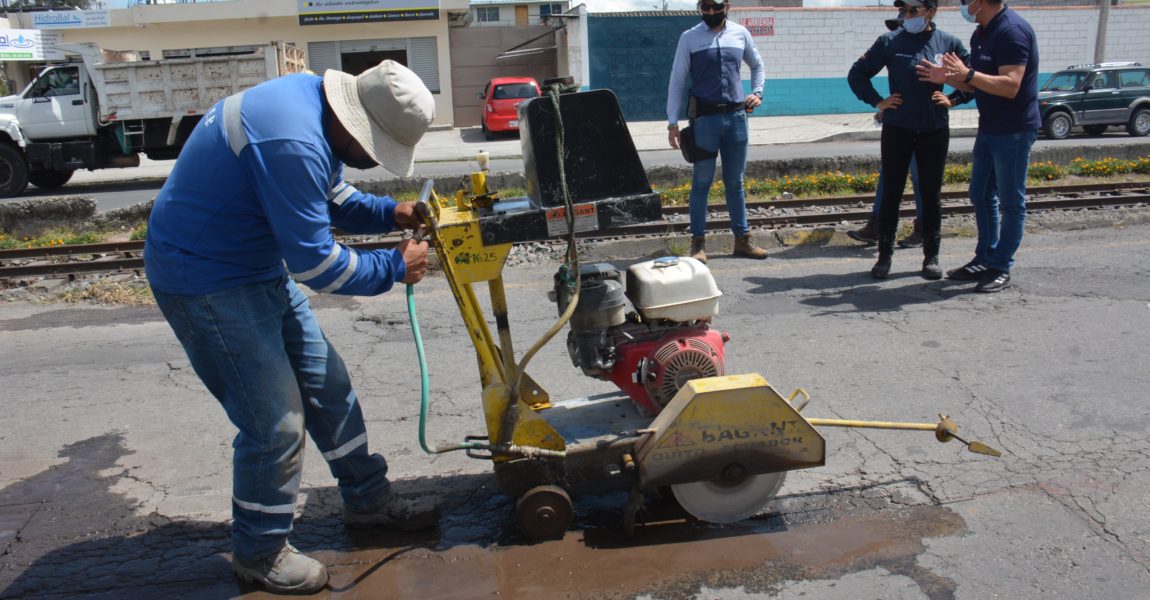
point(1096, 97)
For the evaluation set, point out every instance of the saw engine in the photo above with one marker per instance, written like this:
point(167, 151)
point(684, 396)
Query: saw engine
point(653, 350)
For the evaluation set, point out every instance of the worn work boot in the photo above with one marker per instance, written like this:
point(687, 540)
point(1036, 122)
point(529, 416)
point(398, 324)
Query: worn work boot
point(914, 240)
point(404, 514)
point(746, 248)
point(699, 248)
point(285, 572)
point(881, 268)
point(868, 234)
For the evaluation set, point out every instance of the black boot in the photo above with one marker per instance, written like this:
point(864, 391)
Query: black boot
point(930, 245)
point(915, 239)
point(881, 269)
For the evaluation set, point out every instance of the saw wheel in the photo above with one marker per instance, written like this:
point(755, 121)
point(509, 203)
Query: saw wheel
point(729, 498)
point(544, 512)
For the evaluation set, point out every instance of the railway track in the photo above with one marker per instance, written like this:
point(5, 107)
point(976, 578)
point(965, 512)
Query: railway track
point(121, 257)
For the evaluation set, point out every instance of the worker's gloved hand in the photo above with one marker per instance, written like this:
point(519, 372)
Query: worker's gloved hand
point(415, 257)
point(406, 215)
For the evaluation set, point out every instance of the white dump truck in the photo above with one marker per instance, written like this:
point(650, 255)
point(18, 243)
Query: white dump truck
point(106, 109)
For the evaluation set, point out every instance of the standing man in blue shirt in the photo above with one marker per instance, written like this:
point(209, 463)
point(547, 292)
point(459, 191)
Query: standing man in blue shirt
point(1003, 74)
point(254, 196)
point(711, 54)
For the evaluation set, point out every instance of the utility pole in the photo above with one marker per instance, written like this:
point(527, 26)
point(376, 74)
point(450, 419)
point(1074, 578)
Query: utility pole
point(1100, 41)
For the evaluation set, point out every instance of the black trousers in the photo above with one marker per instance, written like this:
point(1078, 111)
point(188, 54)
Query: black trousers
point(929, 148)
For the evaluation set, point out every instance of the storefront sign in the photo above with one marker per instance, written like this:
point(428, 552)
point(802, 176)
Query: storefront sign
point(344, 12)
point(759, 26)
point(29, 44)
point(69, 19)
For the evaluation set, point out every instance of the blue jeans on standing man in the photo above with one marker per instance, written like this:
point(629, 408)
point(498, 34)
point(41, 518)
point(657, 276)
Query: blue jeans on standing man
point(998, 193)
point(727, 133)
point(261, 353)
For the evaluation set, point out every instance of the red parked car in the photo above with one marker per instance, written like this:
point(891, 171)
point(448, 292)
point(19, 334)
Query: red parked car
point(501, 99)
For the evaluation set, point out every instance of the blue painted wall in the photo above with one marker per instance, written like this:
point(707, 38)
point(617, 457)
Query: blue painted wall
point(632, 57)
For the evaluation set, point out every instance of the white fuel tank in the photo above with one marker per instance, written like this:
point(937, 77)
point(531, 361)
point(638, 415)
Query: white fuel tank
point(673, 288)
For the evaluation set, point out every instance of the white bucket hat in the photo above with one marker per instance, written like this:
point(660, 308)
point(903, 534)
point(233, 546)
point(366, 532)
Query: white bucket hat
point(387, 109)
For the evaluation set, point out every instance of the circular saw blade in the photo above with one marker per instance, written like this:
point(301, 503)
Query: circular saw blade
point(725, 503)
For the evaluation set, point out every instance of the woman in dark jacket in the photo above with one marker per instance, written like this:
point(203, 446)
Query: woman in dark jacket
point(913, 124)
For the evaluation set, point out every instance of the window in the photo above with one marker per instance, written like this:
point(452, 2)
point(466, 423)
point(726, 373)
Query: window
point(1138, 78)
point(1065, 81)
point(508, 91)
point(546, 10)
point(487, 14)
point(1102, 80)
point(61, 81)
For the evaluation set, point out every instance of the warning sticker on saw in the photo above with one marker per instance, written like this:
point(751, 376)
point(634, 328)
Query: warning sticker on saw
point(586, 219)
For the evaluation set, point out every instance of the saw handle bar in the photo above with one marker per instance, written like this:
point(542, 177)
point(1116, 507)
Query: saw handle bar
point(944, 431)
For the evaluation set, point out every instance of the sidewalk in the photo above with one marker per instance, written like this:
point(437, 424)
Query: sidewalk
point(455, 144)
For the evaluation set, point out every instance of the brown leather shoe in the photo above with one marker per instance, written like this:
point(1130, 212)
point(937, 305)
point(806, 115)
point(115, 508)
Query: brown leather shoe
point(746, 248)
point(699, 248)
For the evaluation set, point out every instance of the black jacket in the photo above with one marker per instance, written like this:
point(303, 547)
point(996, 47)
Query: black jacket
point(899, 52)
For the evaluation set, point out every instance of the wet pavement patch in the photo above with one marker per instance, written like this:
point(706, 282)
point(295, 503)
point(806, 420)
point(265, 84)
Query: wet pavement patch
point(64, 533)
point(670, 559)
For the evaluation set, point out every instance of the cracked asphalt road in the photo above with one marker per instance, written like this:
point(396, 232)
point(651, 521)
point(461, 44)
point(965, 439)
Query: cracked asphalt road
point(115, 463)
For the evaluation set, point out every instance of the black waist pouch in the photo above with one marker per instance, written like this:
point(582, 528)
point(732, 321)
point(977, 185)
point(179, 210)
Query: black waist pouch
point(691, 151)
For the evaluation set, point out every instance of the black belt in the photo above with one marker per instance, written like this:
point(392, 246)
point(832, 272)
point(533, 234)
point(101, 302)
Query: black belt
point(702, 110)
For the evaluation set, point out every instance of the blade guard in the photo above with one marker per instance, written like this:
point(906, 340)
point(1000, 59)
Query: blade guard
point(716, 422)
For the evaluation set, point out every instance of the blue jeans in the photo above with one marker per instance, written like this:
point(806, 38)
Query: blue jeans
point(727, 133)
point(913, 183)
point(261, 353)
point(998, 193)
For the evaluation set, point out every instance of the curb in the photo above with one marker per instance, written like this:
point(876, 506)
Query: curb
point(876, 135)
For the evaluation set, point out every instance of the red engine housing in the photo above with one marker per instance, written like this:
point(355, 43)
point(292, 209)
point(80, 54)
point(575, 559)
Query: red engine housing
point(651, 371)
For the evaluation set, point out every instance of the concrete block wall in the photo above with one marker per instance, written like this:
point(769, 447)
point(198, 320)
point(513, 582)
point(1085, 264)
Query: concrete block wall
point(812, 49)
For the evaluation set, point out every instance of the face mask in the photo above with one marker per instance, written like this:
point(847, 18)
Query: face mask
point(714, 19)
point(914, 24)
point(345, 156)
point(966, 14)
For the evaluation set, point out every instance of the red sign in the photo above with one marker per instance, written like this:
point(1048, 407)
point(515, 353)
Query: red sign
point(759, 26)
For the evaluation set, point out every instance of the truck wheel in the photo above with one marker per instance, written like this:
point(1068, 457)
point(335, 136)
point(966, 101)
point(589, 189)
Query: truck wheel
point(1057, 125)
point(13, 171)
point(1139, 124)
point(49, 180)
point(1095, 129)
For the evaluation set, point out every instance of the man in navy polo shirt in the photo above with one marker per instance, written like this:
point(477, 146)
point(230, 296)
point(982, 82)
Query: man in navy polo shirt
point(1003, 74)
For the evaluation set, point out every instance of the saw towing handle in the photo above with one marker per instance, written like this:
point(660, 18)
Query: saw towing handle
point(945, 430)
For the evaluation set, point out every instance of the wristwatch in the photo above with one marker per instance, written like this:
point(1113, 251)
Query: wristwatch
point(672, 126)
point(969, 76)
point(759, 94)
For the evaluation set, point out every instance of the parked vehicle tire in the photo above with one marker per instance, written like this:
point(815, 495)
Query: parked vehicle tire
point(1057, 125)
point(1095, 129)
point(1139, 124)
point(487, 133)
point(13, 171)
point(50, 180)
